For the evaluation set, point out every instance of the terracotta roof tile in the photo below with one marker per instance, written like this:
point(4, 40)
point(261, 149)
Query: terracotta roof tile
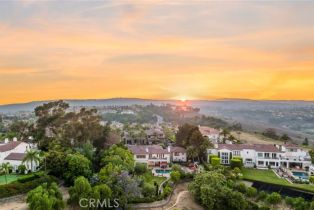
point(15, 156)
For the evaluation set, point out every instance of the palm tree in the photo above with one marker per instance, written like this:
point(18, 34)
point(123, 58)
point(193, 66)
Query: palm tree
point(31, 156)
point(5, 168)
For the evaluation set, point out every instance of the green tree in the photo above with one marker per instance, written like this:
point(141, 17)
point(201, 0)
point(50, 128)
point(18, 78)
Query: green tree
point(56, 161)
point(21, 169)
point(274, 198)
point(77, 165)
point(21, 129)
point(80, 189)
point(306, 142)
point(45, 197)
point(118, 156)
point(5, 169)
point(175, 176)
point(32, 156)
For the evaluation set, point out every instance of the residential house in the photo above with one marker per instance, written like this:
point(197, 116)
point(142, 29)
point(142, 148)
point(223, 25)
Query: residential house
point(156, 156)
point(211, 133)
point(263, 155)
point(13, 152)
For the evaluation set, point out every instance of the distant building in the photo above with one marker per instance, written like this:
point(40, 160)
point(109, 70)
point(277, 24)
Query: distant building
point(211, 133)
point(263, 155)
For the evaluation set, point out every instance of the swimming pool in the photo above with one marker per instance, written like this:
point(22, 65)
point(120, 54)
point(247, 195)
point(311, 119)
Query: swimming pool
point(300, 174)
point(163, 171)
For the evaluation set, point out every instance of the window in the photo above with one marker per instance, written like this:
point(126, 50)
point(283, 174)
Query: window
point(260, 162)
point(140, 156)
point(225, 158)
point(176, 154)
point(236, 153)
point(266, 155)
point(260, 155)
point(274, 155)
point(248, 161)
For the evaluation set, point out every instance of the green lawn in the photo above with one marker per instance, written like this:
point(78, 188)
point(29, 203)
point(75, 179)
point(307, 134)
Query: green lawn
point(268, 176)
point(10, 178)
point(149, 178)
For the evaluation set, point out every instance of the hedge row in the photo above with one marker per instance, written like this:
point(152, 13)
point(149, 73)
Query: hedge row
point(16, 188)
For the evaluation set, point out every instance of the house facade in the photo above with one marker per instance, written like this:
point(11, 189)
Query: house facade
point(13, 152)
point(156, 156)
point(263, 155)
point(211, 133)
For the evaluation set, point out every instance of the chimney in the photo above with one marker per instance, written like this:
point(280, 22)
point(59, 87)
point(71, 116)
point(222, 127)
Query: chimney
point(6, 140)
point(169, 149)
point(146, 149)
point(14, 139)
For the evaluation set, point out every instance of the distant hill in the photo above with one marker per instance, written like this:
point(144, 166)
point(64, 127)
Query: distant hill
point(30, 106)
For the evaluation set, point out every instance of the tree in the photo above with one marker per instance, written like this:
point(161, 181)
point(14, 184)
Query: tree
point(21, 169)
point(175, 176)
point(271, 133)
point(5, 169)
point(140, 168)
point(306, 142)
point(31, 156)
point(56, 161)
point(21, 129)
point(225, 132)
point(80, 189)
point(102, 192)
point(285, 138)
point(118, 155)
point(273, 198)
point(45, 197)
point(77, 165)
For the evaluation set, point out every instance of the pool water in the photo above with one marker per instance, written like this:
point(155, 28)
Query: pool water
point(301, 175)
point(162, 171)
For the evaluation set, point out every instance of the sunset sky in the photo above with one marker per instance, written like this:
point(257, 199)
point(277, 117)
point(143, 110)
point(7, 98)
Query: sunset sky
point(156, 49)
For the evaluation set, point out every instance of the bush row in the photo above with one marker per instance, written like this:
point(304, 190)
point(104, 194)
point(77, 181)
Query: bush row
point(18, 187)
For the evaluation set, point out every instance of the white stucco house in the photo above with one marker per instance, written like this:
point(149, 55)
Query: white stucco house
point(156, 156)
point(13, 152)
point(263, 155)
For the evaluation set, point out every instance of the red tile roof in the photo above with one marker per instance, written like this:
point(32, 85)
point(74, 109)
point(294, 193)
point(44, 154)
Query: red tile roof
point(208, 131)
point(15, 156)
point(147, 149)
point(9, 146)
point(177, 149)
point(256, 147)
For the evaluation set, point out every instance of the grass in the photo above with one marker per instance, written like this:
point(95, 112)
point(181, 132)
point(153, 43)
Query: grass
point(268, 176)
point(10, 178)
point(149, 178)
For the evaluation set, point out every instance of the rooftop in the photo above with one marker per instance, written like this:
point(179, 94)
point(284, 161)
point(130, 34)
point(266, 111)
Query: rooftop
point(9, 146)
point(15, 156)
point(256, 147)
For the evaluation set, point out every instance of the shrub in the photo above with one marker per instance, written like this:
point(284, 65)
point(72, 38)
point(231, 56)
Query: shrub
point(46, 197)
point(211, 156)
point(273, 198)
point(175, 176)
point(236, 162)
point(240, 187)
point(21, 169)
point(28, 178)
point(16, 188)
point(148, 190)
point(167, 191)
point(312, 179)
point(262, 195)
point(140, 168)
point(215, 161)
point(251, 192)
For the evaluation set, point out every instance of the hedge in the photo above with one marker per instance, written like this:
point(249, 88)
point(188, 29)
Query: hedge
point(212, 156)
point(236, 162)
point(17, 187)
point(215, 161)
